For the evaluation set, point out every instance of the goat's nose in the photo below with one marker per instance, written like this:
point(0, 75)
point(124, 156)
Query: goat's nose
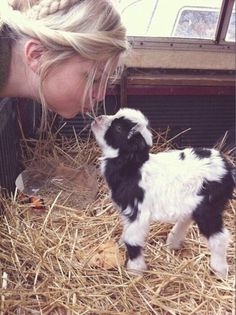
point(99, 119)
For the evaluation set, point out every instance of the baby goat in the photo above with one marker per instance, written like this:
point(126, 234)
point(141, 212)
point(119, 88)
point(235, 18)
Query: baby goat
point(179, 186)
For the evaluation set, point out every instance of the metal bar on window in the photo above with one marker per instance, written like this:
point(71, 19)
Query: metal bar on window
point(224, 19)
point(152, 15)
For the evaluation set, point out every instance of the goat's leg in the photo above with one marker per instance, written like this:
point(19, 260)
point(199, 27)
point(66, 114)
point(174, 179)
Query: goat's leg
point(134, 235)
point(210, 224)
point(218, 246)
point(177, 234)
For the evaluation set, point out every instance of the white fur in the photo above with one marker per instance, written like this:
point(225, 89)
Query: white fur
point(137, 265)
point(171, 185)
point(218, 247)
point(177, 234)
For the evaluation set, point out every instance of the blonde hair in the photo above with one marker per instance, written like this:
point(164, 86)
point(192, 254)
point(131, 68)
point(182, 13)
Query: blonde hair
point(90, 28)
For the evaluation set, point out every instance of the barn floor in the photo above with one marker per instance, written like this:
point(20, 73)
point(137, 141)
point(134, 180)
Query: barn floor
point(47, 263)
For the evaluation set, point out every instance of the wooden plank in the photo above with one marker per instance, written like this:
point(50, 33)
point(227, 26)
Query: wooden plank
point(193, 80)
point(180, 59)
point(173, 90)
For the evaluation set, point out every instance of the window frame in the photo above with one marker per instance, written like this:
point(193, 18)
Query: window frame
point(219, 44)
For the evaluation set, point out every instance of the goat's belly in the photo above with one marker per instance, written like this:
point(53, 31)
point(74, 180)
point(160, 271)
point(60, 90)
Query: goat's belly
point(169, 212)
point(166, 217)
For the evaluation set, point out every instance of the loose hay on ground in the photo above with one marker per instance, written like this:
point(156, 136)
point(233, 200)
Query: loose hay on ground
point(45, 257)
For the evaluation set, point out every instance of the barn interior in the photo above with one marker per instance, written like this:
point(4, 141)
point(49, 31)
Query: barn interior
point(60, 251)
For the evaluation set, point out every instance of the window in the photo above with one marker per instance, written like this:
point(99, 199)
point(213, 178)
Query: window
point(196, 19)
point(137, 16)
point(195, 23)
point(230, 36)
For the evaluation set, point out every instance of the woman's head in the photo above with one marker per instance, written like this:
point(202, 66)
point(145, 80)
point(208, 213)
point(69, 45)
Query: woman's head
point(70, 46)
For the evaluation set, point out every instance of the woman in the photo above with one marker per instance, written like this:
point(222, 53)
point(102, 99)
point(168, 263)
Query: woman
point(59, 52)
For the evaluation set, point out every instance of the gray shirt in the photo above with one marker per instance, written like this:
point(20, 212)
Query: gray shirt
point(5, 57)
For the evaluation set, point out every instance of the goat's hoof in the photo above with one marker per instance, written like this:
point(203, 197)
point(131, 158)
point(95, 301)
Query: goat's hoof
point(136, 266)
point(135, 272)
point(172, 243)
point(220, 270)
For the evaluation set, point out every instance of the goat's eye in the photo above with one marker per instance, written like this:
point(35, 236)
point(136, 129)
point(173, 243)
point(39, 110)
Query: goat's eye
point(118, 128)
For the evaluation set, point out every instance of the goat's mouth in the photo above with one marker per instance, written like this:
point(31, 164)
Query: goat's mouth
point(96, 126)
point(98, 122)
point(93, 125)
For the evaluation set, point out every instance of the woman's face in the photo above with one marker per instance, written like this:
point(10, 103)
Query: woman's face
point(63, 87)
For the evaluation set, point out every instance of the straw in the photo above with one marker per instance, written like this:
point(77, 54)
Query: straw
point(45, 256)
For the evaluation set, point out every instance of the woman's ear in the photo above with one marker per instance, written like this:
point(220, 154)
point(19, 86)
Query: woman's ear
point(33, 50)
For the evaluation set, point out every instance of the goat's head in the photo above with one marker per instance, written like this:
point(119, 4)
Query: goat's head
point(127, 132)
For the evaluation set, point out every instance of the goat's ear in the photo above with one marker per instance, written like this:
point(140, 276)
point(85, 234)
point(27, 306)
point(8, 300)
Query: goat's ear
point(137, 143)
point(134, 130)
point(145, 133)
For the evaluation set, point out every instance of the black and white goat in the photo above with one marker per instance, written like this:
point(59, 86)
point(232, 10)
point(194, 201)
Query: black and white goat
point(179, 186)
